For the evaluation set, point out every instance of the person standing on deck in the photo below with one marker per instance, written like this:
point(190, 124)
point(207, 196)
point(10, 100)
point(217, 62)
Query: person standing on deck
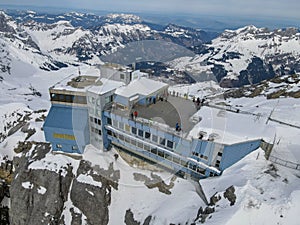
point(135, 114)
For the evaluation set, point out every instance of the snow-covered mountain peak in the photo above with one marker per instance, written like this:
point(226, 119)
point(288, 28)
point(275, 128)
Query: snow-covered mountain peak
point(63, 23)
point(7, 24)
point(76, 14)
point(123, 18)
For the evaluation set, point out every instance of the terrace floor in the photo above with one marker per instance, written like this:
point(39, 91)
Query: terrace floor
point(175, 110)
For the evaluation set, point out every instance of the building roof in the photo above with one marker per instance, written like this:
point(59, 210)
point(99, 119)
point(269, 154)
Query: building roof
point(79, 83)
point(142, 86)
point(107, 86)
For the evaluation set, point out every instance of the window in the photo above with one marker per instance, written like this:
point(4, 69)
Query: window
point(93, 129)
point(133, 130)
point(176, 160)
point(121, 125)
point(122, 76)
point(200, 170)
point(98, 112)
point(170, 144)
point(168, 156)
point(154, 138)
point(99, 132)
point(121, 137)
point(196, 154)
point(140, 144)
point(183, 163)
point(99, 122)
point(109, 99)
point(95, 120)
point(220, 153)
point(162, 141)
point(141, 133)
point(80, 99)
point(91, 119)
point(109, 132)
point(194, 167)
point(109, 121)
point(74, 147)
point(133, 142)
point(160, 153)
point(98, 102)
point(147, 135)
point(58, 146)
point(127, 139)
point(115, 123)
point(68, 98)
point(127, 128)
point(147, 147)
point(154, 151)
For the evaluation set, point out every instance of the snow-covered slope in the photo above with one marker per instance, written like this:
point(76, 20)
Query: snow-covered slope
point(248, 55)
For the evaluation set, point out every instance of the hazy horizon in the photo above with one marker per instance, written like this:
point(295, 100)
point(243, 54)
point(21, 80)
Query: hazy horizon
point(209, 16)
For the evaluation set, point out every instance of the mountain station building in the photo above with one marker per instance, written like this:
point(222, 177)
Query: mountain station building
point(127, 110)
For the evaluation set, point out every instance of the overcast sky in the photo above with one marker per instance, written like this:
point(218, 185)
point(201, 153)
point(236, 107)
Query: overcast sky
point(261, 8)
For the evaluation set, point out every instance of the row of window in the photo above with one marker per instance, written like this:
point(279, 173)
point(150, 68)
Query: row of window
point(68, 98)
point(95, 120)
point(94, 101)
point(158, 152)
point(95, 130)
point(144, 134)
point(200, 155)
point(74, 147)
point(205, 157)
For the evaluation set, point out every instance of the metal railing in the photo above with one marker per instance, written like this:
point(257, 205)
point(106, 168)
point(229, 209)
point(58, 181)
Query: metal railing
point(285, 163)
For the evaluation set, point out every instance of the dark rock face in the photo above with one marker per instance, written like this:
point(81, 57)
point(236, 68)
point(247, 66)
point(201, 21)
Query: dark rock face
point(129, 219)
point(93, 201)
point(219, 72)
point(37, 196)
point(257, 71)
point(229, 194)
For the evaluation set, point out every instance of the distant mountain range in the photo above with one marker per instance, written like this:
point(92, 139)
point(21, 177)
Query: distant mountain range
point(234, 58)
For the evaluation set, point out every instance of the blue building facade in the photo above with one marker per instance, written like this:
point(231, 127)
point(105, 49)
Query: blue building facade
point(67, 128)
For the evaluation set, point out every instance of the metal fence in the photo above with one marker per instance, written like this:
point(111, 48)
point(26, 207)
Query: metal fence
point(284, 163)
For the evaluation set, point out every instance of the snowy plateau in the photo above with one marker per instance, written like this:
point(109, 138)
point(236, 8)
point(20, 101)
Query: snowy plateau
point(40, 187)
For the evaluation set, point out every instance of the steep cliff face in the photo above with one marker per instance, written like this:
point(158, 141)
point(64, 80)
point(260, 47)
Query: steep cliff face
point(52, 194)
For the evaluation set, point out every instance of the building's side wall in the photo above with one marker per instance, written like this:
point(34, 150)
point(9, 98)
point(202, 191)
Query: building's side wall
point(71, 134)
point(115, 74)
point(234, 153)
point(121, 100)
point(207, 152)
point(96, 104)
